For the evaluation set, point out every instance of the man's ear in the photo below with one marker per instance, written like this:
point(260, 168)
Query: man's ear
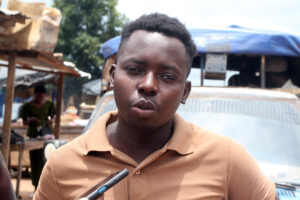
point(112, 74)
point(186, 92)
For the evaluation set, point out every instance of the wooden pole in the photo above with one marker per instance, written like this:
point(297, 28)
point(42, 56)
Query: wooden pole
point(263, 71)
point(9, 96)
point(60, 88)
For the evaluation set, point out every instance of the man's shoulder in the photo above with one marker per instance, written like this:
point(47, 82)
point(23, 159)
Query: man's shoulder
point(72, 151)
point(78, 148)
point(26, 105)
point(49, 103)
point(203, 135)
point(215, 144)
point(25, 108)
point(198, 134)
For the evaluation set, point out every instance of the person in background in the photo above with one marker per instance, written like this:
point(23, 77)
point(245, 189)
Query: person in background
point(278, 74)
point(37, 114)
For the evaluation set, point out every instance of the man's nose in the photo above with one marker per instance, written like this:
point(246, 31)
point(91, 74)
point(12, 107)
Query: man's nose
point(148, 85)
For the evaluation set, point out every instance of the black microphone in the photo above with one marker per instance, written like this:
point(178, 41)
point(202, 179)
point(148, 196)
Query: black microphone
point(111, 181)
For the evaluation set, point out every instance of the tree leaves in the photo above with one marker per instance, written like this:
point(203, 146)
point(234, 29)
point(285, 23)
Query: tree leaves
point(85, 25)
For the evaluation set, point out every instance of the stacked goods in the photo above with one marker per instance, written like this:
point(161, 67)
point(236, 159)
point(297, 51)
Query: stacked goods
point(39, 32)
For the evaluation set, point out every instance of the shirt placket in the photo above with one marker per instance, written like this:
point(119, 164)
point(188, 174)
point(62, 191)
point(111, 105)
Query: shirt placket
point(138, 185)
point(137, 181)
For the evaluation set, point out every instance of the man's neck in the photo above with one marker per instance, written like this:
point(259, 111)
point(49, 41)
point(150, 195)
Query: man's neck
point(138, 143)
point(37, 103)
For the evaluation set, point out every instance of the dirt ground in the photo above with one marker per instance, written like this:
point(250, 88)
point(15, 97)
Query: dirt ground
point(26, 188)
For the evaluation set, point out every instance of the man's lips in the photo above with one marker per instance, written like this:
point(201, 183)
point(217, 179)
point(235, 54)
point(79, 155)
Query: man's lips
point(144, 104)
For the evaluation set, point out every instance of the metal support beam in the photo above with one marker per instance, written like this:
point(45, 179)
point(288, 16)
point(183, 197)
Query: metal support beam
point(263, 71)
point(202, 69)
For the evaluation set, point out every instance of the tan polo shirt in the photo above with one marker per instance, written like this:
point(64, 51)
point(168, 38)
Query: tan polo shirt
point(194, 164)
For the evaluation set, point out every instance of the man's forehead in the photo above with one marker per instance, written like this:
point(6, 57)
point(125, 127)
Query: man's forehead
point(152, 39)
point(151, 35)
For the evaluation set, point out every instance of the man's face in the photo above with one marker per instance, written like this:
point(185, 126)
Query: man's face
point(150, 79)
point(39, 98)
point(276, 79)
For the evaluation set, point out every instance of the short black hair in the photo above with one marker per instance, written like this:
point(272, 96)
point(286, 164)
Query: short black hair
point(164, 24)
point(39, 89)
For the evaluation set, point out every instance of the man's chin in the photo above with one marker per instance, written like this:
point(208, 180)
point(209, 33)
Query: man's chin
point(147, 125)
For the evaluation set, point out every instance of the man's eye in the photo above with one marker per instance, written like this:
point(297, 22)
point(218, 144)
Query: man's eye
point(133, 70)
point(168, 77)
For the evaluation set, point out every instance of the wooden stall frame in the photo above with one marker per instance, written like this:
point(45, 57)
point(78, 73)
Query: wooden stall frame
point(8, 106)
point(58, 105)
point(37, 61)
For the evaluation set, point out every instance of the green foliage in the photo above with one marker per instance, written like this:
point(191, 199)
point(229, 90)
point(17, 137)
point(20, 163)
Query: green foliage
point(85, 25)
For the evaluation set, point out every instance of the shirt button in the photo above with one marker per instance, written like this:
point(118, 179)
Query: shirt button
point(138, 172)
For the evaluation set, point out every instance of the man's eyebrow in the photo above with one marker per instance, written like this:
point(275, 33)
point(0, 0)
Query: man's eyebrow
point(164, 66)
point(138, 61)
point(171, 67)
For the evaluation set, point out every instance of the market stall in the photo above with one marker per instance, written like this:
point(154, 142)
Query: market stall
point(35, 61)
point(27, 39)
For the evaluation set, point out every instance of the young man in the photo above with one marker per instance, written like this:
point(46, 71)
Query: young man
point(168, 158)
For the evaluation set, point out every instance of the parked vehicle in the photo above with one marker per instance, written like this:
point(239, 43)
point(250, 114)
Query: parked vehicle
point(265, 122)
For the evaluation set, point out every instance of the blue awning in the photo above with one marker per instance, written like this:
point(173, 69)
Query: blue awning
point(232, 40)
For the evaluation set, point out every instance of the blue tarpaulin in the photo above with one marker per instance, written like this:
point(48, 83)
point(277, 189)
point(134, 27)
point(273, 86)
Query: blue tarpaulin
point(232, 40)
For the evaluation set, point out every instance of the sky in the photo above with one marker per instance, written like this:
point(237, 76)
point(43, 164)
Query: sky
point(281, 15)
point(277, 15)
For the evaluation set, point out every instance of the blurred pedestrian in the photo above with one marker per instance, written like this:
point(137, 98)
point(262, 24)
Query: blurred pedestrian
point(38, 114)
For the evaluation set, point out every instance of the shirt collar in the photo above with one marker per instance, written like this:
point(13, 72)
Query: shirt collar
point(95, 137)
point(181, 140)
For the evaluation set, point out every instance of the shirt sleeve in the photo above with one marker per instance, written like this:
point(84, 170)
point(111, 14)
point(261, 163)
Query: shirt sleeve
point(48, 187)
point(23, 112)
point(52, 110)
point(245, 180)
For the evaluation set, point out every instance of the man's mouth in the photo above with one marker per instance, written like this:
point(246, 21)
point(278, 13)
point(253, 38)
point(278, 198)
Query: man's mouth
point(144, 104)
